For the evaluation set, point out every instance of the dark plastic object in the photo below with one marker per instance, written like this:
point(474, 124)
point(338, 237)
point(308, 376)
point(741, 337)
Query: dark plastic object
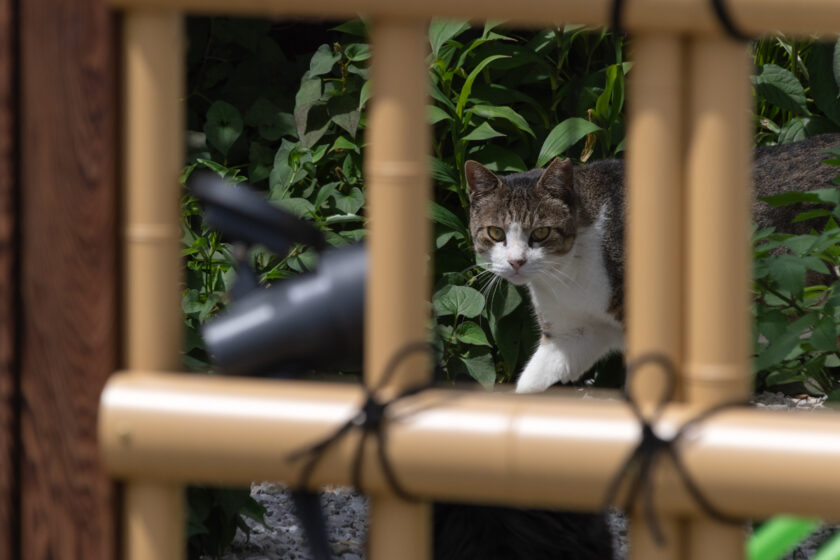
point(310, 321)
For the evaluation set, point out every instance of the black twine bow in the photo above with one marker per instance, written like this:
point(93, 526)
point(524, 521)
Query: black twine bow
point(719, 7)
point(639, 465)
point(727, 22)
point(371, 420)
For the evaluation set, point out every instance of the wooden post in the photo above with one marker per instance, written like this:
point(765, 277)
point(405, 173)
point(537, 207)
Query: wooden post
point(154, 76)
point(68, 323)
point(9, 372)
point(398, 191)
point(654, 294)
point(717, 248)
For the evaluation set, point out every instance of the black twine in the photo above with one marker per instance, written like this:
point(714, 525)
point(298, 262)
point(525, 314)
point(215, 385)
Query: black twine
point(727, 22)
point(371, 420)
point(721, 11)
point(639, 465)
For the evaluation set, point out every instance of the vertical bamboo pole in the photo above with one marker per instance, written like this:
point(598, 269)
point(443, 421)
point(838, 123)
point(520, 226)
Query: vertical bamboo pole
point(154, 123)
point(654, 241)
point(398, 244)
point(717, 249)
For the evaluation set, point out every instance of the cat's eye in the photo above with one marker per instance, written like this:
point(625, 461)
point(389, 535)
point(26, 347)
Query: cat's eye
point(496, 233)
point(540, 233)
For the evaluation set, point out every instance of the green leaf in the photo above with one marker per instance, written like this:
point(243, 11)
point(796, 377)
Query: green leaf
point(470, 333)
point(223, 126)
point(504, 301)
point(823, 88)
point(563, 136)
point(323, 61)
point(466, 89)
point(502, 112)
point(789, 272)
point(444, 238)
point(364, 94)
point(781, 88)
point(482, 132)
point(306, 260)
point(355, 27)
point(436, 114)
point(343, 111)
point(357, 52)
point(324, 193)
point(793, 197)
point(458, 300)
point(781, 347)
point(445, 217)
point(351, 202)
point(836, 65)
point(482, 369)
point(283, 174)
point(498, 159)
point(824, 335)
point(300, 207)
point(443, 172)
point(270, 121)
point(442, 30)
point(261, 160)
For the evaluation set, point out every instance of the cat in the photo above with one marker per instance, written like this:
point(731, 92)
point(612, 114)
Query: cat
point(560, 232)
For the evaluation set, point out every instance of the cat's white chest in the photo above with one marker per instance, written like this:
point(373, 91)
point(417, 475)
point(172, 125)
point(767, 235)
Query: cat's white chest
point(571, 300)
point(577, 290)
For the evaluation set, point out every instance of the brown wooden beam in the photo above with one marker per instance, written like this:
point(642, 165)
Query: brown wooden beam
point(8, 287)
point(69, 329)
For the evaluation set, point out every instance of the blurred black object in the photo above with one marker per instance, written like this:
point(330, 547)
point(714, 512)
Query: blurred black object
point(478, 532)
point(310, 321)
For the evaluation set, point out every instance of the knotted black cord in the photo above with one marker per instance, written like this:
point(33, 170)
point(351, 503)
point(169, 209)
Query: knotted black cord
point(639, 465)
point(722, 13)
point(726, 21)
point(370, 419)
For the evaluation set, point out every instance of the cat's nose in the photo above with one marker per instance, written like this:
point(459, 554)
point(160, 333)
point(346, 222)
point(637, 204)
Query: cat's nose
point(516, 264)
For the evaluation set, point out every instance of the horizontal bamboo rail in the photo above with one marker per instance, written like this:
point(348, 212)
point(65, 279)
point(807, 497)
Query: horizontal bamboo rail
point(534, 450)
point(676, 16)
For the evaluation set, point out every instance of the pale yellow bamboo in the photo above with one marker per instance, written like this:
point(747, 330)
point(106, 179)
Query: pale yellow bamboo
point(654, 294)
point(398, 190)
point(536, 450)
point(154, 123)
point(678, 16)
point(717, 245)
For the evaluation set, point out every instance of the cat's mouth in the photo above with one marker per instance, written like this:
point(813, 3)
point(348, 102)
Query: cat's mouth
point(517, 277)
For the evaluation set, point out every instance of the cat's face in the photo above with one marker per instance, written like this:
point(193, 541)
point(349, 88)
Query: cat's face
point(523, 224)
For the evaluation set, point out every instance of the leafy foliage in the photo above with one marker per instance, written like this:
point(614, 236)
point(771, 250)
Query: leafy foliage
point(797, 85)
point(797, 325)
point(215, 516)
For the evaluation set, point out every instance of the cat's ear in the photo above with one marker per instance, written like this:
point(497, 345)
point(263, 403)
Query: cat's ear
point(480, 179)
point(558, 179)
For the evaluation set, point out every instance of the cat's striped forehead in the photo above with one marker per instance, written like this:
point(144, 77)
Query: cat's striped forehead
point(522, 203)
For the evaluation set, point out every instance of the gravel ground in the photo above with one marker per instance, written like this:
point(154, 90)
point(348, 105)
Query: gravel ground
point(282, 538)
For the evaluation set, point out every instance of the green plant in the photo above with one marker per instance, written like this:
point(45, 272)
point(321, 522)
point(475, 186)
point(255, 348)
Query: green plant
point(797, 85)
point(797, 325)
point(505, 98)
point(215, 516)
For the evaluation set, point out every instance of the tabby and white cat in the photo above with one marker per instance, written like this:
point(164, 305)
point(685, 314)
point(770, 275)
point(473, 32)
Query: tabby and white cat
point(560, 231)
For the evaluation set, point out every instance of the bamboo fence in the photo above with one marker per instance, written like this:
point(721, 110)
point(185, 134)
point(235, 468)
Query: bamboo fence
point(687, 284)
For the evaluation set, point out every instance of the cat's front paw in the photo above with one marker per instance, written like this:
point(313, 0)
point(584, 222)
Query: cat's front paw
point(546, 367)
